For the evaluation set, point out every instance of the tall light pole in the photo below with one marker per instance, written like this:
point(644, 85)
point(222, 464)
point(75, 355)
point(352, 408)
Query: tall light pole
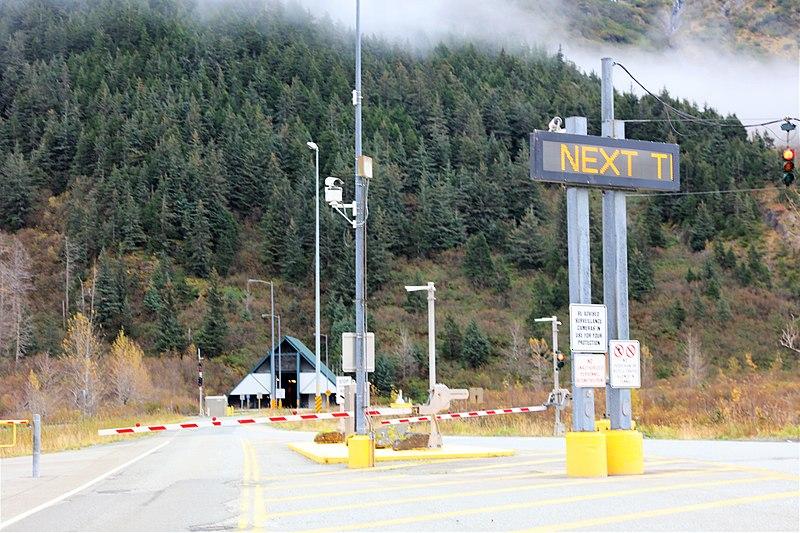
point(317, 397)
point(272, 334)
point(361, 241)
point(279, 379)
point(431, 289)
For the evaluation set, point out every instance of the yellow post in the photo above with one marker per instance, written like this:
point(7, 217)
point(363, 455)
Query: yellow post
point(360, 451)
point(625, 452)
point(318, 404)
point(586, 454)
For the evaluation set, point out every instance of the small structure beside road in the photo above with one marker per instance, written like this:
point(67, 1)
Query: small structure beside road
point(294, 366)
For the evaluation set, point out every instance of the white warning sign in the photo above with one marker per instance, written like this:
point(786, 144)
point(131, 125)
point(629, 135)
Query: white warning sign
point(588, 330)
point(624, 364)
point(589, 370)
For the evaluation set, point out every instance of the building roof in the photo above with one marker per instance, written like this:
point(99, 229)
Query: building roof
point(258, 383)
point(252, 384)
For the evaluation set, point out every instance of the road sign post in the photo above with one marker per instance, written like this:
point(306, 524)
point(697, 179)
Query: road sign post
point(586, 453)
point(623, 445)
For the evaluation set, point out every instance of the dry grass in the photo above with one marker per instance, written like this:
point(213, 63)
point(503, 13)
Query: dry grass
point(77, 433)
point(757, 405)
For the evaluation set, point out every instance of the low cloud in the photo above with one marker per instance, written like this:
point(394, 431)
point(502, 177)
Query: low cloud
point(755, 88)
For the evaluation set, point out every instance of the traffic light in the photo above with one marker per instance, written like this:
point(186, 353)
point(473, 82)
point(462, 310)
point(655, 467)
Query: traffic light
point(560, 358)
point(788, 166)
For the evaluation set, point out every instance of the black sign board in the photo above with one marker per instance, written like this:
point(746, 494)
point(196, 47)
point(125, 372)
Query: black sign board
point(589, 161)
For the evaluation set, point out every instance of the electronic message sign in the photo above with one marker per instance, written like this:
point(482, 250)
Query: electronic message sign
point(589, 161)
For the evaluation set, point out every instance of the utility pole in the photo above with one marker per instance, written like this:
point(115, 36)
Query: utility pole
point(557, 398)
point(361, 242)
point(580, 277)
point(615, 256)
point(200, 380)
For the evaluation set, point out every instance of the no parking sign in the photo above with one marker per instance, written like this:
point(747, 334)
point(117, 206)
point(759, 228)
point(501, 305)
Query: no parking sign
point(624, 365)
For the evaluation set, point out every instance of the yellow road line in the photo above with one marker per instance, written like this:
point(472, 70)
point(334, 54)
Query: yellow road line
point(359, 475)
point(506, 465)
point(259, 503)
point(593, 522)
point(395, 487)
point(244, 498)
point(744, 468)
point(531, 503)
point(484, 492)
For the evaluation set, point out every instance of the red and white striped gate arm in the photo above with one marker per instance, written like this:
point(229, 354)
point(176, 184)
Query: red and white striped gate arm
point(223, 422)
point(465, 414)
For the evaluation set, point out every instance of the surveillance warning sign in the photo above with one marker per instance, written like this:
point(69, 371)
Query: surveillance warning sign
point(588, 328)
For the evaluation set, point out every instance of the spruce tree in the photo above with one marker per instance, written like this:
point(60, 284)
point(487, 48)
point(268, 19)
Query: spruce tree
point(294, 261)
point(212, 338)
point(111, 301)
point(702, 228)
point(476, 348)
point(170, 336)
point(198, 241)
point(759, 270)
point(527, 246)
point(502, 281)
point(438, 225)
point(452, 342)
point(384, 376)
point(16, 191)
point(478, 264)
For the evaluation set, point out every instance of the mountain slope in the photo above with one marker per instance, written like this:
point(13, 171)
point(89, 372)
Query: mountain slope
point(145, 146)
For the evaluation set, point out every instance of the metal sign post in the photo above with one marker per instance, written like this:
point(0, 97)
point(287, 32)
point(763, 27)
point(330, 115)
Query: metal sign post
point(615, 257)
point(580, 276)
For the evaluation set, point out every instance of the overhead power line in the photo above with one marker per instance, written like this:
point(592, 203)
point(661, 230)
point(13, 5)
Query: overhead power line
point(697, 193)
point(687, 117)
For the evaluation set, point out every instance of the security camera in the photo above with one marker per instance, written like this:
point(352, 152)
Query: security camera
point(333, 192)
point(555, 125)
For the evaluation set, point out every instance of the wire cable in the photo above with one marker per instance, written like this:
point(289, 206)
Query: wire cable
point(698, 193)
point(686, 117)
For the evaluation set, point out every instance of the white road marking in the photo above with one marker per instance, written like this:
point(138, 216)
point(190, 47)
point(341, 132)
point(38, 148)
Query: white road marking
point(83, 487)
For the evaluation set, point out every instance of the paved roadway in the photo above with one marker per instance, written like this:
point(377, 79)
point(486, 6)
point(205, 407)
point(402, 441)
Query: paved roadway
point(246, 478)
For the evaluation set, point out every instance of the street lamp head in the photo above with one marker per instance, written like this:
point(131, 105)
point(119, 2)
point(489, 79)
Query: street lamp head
point(412, 288)
point(312, 145)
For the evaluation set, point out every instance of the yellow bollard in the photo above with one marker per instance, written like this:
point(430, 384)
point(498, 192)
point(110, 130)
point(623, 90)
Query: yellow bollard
point(318, 404)
point(360, 451)
point(625, 452)
point(586, 454)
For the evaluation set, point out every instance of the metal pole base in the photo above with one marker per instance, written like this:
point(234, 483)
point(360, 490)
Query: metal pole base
point(586, 454)
point(360, 451)
point(625, 452)
point(435, 438)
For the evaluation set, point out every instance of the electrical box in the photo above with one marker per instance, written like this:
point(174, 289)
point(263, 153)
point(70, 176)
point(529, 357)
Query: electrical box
point(349, 352)
point(365, 166)
point(215, 405)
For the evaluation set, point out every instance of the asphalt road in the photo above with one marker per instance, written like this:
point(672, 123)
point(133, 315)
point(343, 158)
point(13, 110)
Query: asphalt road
point(246, 478)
